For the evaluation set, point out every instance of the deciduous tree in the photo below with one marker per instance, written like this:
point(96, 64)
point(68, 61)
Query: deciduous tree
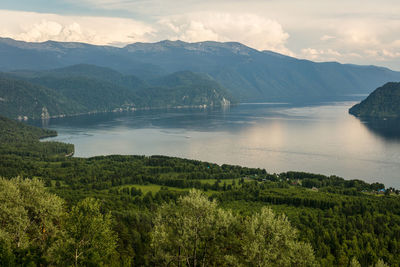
point(88, 238)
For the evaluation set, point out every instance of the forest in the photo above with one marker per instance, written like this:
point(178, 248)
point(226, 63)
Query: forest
point(381, 104)
point(164, 211)
point(86, 89)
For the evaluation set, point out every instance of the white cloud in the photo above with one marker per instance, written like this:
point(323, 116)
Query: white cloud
point(377, 55)
point(250, 29)
point(51, 30)
point(339, 30)
point(327, 37)
point(391, 54)
point(35, 27)
point(320, 54)
point(357, 40)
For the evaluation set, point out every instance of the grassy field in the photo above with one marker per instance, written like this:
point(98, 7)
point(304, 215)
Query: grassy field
point(153, 188)
point(227, 181)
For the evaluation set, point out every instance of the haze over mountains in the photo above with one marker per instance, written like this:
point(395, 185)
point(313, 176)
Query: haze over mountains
point(247, 74)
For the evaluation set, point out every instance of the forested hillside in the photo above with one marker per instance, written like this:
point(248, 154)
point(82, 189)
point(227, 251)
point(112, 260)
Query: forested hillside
point(20, 98)
point(83, 89)
point(384, 102)
point(18, 139)
point(137, 210)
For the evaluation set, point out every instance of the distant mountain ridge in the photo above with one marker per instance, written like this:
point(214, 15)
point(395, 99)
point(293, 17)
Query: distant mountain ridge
point(82, 89)
point(384, 102)
point(248, 74)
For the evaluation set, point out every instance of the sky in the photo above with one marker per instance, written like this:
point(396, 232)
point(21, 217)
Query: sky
point(348, 31)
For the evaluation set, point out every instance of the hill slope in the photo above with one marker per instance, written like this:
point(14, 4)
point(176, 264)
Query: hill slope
point(19, 139)
point(20, 98)
point(87, 88)
point(189, 89)
point(249, 74)
point(384, 102)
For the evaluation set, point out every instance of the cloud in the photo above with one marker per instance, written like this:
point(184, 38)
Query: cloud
point(250, 29)
point(51, 30)
point(327, 37)
point(38, 27)
point(342, 30)
point(382, 54)
point(320, 54)
point(357, 40)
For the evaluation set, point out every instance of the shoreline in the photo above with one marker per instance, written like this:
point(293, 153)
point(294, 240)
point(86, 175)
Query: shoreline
point(121, 110)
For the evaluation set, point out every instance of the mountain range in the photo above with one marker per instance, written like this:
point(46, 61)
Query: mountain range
point(246, 73)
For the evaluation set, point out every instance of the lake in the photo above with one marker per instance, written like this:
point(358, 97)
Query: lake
point(279, 137)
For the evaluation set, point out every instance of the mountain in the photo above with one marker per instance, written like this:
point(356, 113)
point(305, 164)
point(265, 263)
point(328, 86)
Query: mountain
point(19, 99)
point(194, 90)
point(95, 88)
point(84, 70)
point(253, 75)
point(384, 102)
point(83, 89)
point(248, 74)
point(16, 55)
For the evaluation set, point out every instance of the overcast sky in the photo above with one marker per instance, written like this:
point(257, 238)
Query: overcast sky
point(348, 31)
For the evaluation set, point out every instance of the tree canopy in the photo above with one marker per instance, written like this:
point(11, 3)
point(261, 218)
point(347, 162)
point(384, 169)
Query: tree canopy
point(196, 232)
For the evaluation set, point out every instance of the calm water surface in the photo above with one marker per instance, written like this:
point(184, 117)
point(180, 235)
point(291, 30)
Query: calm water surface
point(278, 137)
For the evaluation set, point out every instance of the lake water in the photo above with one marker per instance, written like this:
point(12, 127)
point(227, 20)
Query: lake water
point(320, 138)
